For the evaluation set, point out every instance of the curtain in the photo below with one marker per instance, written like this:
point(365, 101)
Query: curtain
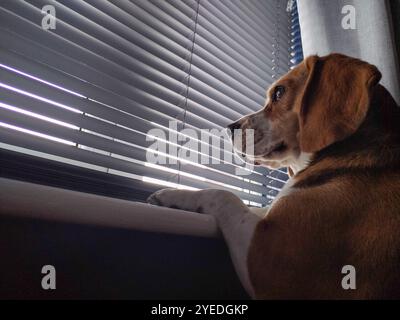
point(395, 7)
point(371, 38)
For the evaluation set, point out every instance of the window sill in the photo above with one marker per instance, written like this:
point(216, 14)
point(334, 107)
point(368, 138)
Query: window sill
point(37, 201)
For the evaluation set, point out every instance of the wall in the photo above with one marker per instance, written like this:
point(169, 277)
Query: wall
point(105, 263)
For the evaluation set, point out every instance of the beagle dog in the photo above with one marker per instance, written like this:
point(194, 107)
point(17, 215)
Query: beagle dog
point(337, 130)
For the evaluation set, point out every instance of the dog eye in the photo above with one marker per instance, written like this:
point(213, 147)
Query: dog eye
point(278, 93)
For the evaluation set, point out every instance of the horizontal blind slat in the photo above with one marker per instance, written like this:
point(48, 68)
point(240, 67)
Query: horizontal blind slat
point(112, 32)
point(94, 109)
point(243, 12)
point(158, 76)
point(73, 101)
point(240, 39)
point(266, 10)
point(164, 22)
point(203, 76)
point(204, 33)
point(119, 90)
point(168, 97)
point(109, 146)
point(202, 64)
point(89, 123)
point(164, 88)
point(101, 162)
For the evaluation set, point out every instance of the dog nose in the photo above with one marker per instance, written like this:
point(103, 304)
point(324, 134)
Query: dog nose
point(233, 126)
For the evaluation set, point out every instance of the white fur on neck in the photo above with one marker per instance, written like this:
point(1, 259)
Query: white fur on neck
point(301, 162)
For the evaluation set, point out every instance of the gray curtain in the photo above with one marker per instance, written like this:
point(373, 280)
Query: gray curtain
point(372, 39)
point(395, 7)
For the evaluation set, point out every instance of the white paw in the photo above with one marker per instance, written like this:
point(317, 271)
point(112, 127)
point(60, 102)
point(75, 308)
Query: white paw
point(177, 199)
point(210, 201)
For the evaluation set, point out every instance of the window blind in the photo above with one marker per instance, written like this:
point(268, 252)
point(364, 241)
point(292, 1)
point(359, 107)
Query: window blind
point(296, 47)
point(88, 92)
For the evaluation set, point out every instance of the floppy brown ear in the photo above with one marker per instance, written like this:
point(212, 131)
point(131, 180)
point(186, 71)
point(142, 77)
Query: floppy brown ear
point(335, 100)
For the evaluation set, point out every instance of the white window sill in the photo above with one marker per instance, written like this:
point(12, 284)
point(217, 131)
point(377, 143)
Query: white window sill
point(37, 201)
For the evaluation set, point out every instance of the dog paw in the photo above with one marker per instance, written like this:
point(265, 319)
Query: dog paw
point(172, 198)
point(209, 201)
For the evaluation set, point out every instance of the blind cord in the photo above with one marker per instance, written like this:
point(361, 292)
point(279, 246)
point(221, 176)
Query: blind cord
point(188, 85)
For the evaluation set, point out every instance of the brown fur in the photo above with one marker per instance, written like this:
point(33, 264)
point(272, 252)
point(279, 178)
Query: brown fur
point(345, 206)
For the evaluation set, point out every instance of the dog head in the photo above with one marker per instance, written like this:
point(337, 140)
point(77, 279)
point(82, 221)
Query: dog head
point(321, 101)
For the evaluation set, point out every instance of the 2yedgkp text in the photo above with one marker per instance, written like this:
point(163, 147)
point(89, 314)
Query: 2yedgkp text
point(200, 309)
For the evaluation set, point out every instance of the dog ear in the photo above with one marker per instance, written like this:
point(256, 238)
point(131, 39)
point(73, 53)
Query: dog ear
point(335, 99)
